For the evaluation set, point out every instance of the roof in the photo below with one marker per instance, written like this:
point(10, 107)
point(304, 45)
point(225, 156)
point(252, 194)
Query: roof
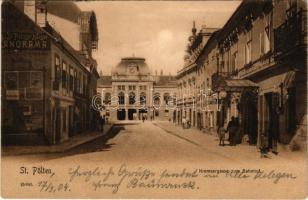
point(48, 30)
point(104, 80)
point(64, 9)
point(166, 80)
point(66, 45)
point(125, 63)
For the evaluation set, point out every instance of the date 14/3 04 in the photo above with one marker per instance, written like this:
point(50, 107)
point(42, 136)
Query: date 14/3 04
point(48, 186)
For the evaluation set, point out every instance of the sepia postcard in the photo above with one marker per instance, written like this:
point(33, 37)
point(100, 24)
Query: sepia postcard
point(154, 99)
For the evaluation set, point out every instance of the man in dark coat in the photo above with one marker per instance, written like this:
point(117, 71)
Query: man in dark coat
point(231, 128)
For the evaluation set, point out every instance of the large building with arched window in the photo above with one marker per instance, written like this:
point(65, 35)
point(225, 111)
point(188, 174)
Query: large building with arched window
point(132, 91)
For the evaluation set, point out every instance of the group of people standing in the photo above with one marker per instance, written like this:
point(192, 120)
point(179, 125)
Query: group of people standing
point(233, 128)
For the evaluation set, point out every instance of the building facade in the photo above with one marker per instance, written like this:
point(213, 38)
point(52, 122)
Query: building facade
point(196, 101)
point(47, 84)
point(253, 69)
point(262, 70)
point(133, 92)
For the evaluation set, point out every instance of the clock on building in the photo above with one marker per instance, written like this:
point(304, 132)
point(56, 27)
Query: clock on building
point(132, 68)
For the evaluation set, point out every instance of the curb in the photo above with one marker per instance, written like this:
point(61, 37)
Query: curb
point(59, 148)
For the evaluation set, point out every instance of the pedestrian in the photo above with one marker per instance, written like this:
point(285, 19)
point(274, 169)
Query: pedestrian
point(231, 128)
point(183, 123)
point(143, 118)
point(237, 134)
point(221, 134)
point(188, 123)
point(263, 146)
point(102, 123)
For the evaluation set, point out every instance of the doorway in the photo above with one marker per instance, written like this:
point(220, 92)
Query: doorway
point(130, 113)
point(249, 100)
point(121, 114)
point(272, 121)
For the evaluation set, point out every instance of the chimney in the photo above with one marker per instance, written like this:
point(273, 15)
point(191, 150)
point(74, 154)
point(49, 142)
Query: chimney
point(37, 11)
point(41, 13)
point(161, 72)
point(29, 9)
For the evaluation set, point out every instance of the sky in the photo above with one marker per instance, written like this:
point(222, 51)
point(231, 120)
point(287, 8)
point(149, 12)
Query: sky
point(155, 30)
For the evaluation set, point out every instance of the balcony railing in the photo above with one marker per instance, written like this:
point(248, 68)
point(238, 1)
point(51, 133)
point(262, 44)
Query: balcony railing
point(290, 34)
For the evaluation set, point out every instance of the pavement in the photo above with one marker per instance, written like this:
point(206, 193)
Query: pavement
point(210, 140)
point(132, 148)
point(57, 148)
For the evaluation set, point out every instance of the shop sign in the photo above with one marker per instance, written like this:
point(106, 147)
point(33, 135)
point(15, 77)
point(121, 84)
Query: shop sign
point(26, 41)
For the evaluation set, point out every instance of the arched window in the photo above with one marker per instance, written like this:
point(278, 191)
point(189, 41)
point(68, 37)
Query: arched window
point(121, 98)
point(132, 98)
point(167, 98)
point(107, 99)
point(143, 99)
point(156, 99)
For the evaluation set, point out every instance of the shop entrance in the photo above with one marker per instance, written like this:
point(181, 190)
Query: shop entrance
point(250, 115)
point(272, 121)
point(121, 114)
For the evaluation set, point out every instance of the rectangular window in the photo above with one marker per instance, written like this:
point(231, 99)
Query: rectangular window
point(140, 87)
point(262, 43)
point(78, 82)
point(248, 47)
point(119, 87)
point(145, 87)
point(57, 68)
point(267, 34)
point(71, 78)
point(64, 120)
point(123, 87)
point(81, 83)
point(64, 75)
point(75, 80)
point(234, 62)
point(85, 84)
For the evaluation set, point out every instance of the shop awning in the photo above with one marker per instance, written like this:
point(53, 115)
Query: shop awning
point(236, 85)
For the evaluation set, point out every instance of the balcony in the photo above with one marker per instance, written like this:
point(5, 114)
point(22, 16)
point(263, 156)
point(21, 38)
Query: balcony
point(217, 77)
point(291, 34)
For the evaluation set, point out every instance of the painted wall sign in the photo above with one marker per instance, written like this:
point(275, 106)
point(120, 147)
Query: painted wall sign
point(29, 41)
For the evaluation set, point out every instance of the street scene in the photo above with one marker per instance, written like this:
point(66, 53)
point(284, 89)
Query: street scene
point(151, 99)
